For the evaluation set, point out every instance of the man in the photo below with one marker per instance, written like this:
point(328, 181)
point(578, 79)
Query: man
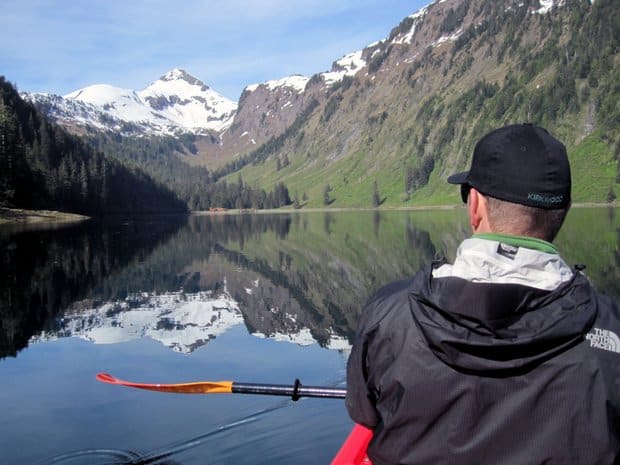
point(506, 357)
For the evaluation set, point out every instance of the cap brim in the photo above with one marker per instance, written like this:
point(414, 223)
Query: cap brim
point(459, 178)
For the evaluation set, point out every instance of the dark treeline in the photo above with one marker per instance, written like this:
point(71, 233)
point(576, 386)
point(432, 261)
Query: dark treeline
point(42, 166)
point(196, 186)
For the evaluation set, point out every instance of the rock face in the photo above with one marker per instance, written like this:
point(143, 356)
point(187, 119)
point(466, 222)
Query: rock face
point(265, 110)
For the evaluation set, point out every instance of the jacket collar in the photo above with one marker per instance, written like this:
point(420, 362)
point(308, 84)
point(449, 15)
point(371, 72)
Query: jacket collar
point(494, 258)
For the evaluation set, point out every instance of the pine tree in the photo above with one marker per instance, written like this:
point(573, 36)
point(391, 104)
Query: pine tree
point(83, 183)
point(326, 197)
point(376, 197)
point(409, 180)
point(611, 195)
point(104, 183)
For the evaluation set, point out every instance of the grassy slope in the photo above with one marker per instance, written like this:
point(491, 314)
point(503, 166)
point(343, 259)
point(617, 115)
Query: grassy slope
point(594, 170)
point(592, 162)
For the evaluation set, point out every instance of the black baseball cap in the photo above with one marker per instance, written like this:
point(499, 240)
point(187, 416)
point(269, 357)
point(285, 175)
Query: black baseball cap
point(520, 163)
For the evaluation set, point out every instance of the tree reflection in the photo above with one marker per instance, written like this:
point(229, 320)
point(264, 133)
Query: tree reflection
point(376, 222)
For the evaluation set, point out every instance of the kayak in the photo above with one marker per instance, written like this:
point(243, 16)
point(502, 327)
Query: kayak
point(353, 450)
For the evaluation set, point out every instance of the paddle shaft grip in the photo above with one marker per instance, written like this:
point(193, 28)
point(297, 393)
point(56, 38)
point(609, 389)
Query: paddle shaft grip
point(294, 392)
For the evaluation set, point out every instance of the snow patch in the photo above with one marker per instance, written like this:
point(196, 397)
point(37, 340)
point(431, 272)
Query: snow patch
point(338, 343)
point(548, 5)
point(451, 37)
point(295, 82)
point(376, 43)
point(545, 6)
point(411, 58)
point(348, 65)
point(407, 37)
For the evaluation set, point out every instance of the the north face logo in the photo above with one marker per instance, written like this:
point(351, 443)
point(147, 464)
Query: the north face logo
point(604, 339)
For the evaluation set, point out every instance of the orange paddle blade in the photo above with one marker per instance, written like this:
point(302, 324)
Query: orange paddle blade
point(201, 387)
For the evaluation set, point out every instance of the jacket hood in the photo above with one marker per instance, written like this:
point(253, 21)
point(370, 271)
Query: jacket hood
point(498, 329)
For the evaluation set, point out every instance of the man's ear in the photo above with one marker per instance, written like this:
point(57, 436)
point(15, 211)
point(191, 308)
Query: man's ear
point(477, 209)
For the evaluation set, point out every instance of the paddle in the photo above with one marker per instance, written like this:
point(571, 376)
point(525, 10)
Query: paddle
point(294, 391)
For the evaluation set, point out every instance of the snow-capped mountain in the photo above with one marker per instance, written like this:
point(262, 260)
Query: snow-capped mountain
point(180, 103)
point(175, 103)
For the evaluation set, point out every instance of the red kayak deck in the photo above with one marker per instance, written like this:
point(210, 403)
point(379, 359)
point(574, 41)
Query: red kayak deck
point(353, 450)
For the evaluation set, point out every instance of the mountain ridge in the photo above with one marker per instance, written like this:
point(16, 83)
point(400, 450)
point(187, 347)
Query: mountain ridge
point(404, 112)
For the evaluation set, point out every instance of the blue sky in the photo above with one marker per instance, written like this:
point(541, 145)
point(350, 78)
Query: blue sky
point(59, 46)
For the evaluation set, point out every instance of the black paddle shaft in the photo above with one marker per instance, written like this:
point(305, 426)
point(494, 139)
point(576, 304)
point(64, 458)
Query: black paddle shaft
point(295, 391)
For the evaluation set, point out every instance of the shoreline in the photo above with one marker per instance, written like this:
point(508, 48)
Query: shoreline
point(249, 211)
point(24, 216)
point(236, 211)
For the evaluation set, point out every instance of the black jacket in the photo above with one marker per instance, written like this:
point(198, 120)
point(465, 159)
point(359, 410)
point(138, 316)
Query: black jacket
point(447, 371)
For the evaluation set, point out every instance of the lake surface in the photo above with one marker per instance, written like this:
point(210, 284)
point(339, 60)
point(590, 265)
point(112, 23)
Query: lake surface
point(251, 298)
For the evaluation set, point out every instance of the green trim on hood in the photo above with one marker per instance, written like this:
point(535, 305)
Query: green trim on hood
point(520, 241)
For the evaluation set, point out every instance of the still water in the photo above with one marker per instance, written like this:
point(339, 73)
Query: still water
point(250, 298)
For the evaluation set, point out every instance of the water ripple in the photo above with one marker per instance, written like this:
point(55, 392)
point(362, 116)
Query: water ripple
point(93, 457)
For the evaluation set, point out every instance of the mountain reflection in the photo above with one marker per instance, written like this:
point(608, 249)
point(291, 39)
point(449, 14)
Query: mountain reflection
point(180, 321)
point(45, 269)
point(301, 278)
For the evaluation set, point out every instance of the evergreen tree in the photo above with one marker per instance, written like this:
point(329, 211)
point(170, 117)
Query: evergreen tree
point(611, 195)
point(7, 172)
point(376, 196)
point(409, 180)
point(326, 197)
point(83, 183)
